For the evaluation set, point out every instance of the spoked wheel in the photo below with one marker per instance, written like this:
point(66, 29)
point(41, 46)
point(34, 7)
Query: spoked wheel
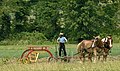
point(29, 56)
point(52, 59)
point(24, 57)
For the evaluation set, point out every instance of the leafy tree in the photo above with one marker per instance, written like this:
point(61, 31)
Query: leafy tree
point(76, 18)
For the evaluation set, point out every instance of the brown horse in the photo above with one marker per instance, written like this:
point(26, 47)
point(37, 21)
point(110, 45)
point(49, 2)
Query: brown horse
point(108, 41)
point(103, 47)
point(89, 47)
point(98, 48)
point(85, 47)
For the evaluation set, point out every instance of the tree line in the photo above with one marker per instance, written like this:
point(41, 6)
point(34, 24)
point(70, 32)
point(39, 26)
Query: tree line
point(78, 19)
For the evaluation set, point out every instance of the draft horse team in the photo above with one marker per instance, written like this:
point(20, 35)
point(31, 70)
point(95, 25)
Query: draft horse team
point(94, 48)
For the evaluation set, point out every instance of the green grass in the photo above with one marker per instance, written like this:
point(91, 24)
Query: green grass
point(10, 53)
point(116, 49)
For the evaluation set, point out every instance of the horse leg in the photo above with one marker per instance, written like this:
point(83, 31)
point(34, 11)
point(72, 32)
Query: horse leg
point(90, 57)
point(95, 54)
point(106, 52)
point(99, 55)
point(81, 56)
point(104, 58)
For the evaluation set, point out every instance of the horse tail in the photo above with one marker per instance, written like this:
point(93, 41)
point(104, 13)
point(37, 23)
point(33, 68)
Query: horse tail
point(79, 48)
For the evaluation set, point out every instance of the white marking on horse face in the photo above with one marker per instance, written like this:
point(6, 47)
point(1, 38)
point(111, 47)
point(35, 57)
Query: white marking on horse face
point(106, 39)
point(93, 45)
point(103, 39)
point(110, 43)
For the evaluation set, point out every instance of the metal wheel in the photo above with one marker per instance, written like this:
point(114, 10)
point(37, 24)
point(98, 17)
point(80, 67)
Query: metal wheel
point(52, 59)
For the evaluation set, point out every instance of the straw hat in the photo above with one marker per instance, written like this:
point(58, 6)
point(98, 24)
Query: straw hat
point(61, 33)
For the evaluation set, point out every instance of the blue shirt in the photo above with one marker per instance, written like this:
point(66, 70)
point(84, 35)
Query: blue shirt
point(61, 39)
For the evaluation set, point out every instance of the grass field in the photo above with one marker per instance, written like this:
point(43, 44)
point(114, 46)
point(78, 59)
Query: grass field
point(10, 53)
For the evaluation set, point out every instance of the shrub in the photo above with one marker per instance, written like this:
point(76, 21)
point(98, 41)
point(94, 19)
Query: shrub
point(25, 38)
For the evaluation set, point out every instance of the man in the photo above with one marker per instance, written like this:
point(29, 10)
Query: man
point(61, 40)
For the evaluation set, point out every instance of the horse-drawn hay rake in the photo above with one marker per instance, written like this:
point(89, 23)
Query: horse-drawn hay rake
point(31, 54)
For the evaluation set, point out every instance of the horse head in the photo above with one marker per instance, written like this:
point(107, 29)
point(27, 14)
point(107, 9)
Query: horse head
point(97, 42)
point(107, 42)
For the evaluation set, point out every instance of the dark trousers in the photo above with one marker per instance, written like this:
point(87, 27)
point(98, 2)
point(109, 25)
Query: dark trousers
point(62, 48)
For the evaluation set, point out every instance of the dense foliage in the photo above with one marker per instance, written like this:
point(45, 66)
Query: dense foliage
point(76, 18)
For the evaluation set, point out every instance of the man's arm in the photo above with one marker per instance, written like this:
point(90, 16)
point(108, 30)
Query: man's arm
point(65, 39)
point(58, 39)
